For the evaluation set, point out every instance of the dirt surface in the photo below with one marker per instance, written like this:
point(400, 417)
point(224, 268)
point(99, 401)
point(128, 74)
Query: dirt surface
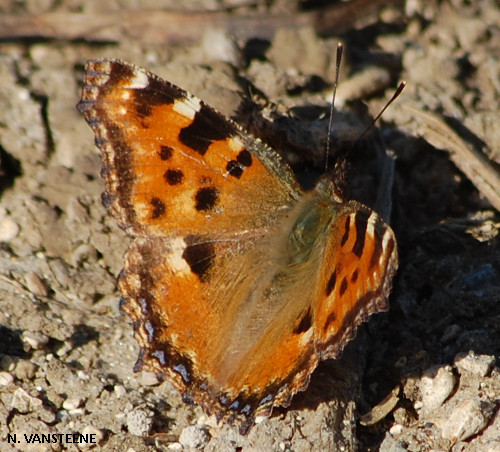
point(67, 353)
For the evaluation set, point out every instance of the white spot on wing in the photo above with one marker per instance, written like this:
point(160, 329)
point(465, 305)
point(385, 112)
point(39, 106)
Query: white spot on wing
point(370, 225)
point(235, 144)
point(175, 259)
point(139, 80)
point(187, 106)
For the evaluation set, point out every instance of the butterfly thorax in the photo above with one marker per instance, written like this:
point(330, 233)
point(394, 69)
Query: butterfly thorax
point(312, 221)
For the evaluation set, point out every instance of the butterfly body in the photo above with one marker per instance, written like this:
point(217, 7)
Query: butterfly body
point(238, 281)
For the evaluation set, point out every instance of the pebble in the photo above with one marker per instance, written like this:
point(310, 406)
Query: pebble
point(466, 420)
point(91, 430)
point(35, 285)
point(25, 370)
point(479, 365)
point(23, 402)
point(8, 230)
point(71, 404)
point(436, 386)
point(149, 379)
point(195, 436)
point(6, 379)
point(139, 422)
point(396, 429)
point(120, 391)
point(35, 340)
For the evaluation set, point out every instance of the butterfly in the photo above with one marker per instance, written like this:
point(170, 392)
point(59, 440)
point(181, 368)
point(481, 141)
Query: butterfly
point(238, 282)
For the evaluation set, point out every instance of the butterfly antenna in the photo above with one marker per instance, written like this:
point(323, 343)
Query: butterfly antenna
point(396, 94)
point(340, 49)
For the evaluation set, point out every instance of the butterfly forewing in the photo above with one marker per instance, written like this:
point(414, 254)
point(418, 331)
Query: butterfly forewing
point(172, 163)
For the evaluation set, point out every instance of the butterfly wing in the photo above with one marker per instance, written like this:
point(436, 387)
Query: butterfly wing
point(172, 163)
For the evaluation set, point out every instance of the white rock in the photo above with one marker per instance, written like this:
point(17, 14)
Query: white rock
point(71, 404)
point(436, 386)
point(466, 420)
point(6, 379)
point(139, 422)
point(35, 339)
point(396, 429)
point(8, 230)
point(195, 436)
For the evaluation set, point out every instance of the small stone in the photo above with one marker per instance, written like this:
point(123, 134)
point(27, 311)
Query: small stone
point(396, 429)
point(71, 404)
point(6, 379)
point(120, 391)
point(466, 420)
point(149, 379)
point(8, 230)
point(91, 430)
point(35, 340)
point(139, 422)
point(436, 386)
point(35, 285)
point(479, 365)
point(23, 402)
point(25, 370)
point(195, 436)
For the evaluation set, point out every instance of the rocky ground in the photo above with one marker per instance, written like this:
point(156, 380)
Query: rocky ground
point(422, 377)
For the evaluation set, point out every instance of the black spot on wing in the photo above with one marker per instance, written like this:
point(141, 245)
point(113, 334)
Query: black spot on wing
point(158, 208)
point(206, 198)
point(331, 318)
point(165, 152)
point(234, 169)
point(331, 283)
point(304, 324)
point(207, 126)
point(343, 287)
point(377, 250)
point(173, 176)
point(354, 276)
point(360, 225)
point(244, 158)
point(199, 256)
point(346, 231)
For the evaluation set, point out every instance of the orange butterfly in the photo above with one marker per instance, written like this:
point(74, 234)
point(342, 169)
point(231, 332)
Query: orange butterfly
point(237, 281)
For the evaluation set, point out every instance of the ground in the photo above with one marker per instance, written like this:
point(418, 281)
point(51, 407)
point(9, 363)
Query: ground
point(67, 353)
